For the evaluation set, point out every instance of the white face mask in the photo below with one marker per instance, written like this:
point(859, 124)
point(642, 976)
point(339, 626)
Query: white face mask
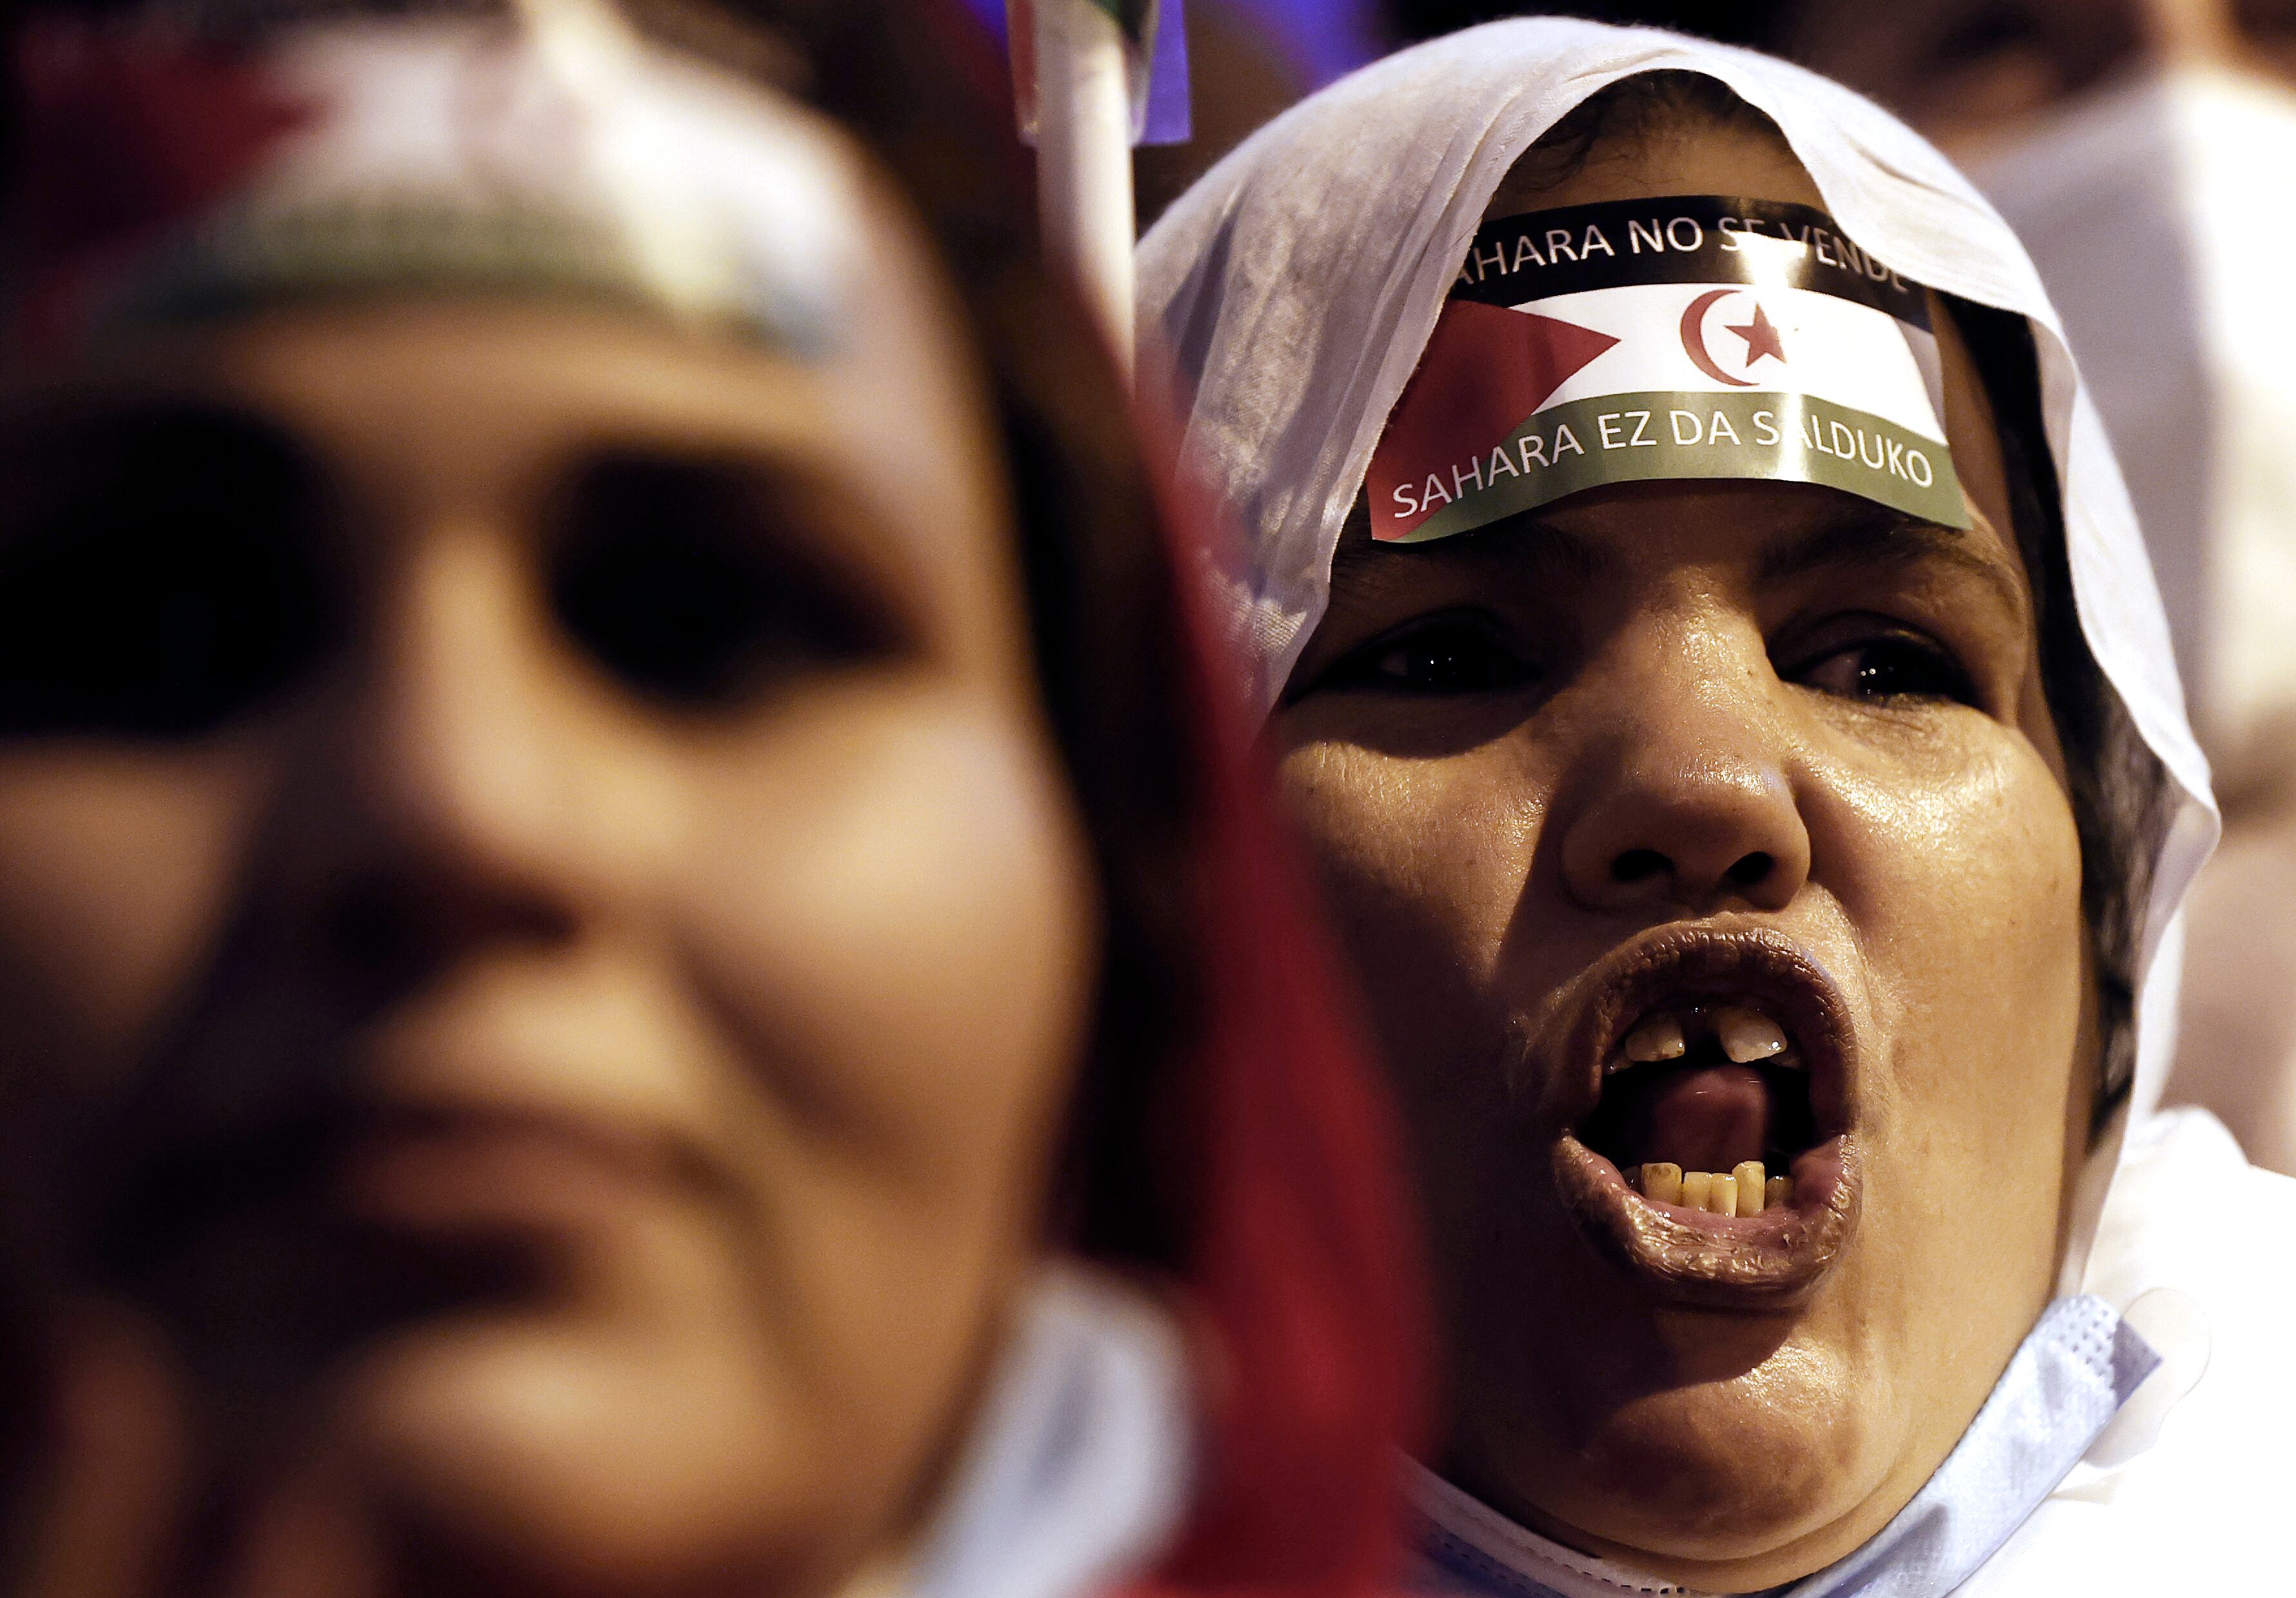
point(2159, 214)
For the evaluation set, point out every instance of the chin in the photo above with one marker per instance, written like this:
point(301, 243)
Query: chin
point(1726, 1450)
point(1730, 1469)
point(618, 1419)
point(575, 1455)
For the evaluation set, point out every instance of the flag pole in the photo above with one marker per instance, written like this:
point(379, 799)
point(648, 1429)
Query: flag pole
point(1084, 157)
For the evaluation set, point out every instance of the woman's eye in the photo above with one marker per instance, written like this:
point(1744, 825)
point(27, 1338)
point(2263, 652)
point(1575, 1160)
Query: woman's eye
point(686, 580)
point(1895, 667)
point(1440, 657)
point(159, 576)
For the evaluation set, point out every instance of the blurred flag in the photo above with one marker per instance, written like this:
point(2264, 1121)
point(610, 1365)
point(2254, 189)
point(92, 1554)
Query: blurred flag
point(1156, 36)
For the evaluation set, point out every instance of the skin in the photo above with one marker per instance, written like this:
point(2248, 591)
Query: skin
point(743, 1018)
point(1635, 681)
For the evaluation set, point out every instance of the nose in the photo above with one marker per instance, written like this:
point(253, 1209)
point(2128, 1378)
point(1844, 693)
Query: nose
point(1685, 795)
point(452, 801)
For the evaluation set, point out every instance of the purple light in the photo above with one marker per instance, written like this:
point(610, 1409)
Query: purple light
point(991, 13)
point(1329, 38)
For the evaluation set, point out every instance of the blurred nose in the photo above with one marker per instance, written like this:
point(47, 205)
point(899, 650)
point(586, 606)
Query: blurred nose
point(1683, 795)
point(453, 806)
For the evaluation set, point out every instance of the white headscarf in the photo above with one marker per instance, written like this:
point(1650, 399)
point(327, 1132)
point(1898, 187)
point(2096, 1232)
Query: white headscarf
point(1293, 290)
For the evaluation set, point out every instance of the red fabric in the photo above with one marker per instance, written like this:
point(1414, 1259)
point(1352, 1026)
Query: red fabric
point(124, 136)
point(1307, 1272)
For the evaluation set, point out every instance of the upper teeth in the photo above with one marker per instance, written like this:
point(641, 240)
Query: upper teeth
point(1658, 1037)
point(1746, 1034)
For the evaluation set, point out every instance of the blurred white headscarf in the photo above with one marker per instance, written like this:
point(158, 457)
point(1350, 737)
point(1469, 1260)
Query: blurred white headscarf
point(1292, 291)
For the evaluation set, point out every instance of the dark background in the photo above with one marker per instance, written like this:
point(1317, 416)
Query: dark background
point(1240, 75)
point(1732, 21)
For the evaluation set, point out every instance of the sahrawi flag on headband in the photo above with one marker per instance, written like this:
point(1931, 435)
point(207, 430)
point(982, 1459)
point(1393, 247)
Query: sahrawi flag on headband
point(1686, 337)
point(1156, 50)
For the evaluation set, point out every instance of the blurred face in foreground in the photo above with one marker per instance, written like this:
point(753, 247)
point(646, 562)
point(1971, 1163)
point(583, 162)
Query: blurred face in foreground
point(529, 861)
point(1701, 823)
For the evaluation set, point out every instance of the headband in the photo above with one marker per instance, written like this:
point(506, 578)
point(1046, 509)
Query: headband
point(167, 180)
point(1684, 337)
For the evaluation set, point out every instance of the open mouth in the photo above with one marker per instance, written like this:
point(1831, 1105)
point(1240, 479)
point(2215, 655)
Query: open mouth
point(1702, 1103)
point(1711, 1147)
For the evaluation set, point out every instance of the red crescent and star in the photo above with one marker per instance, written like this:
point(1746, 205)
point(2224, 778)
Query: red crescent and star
point(1761, 333)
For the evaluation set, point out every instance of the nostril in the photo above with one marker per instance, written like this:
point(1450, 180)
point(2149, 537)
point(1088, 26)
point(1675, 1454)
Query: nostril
point(1637, 865)
point(1751, 869)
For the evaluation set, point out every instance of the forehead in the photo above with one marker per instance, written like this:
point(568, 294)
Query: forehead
point(351, 365)
point(1666, 157)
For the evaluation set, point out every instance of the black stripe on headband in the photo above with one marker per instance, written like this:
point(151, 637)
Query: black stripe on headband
point(1689, 238)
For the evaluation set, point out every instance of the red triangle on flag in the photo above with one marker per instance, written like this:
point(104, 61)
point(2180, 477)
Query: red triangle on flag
point(1485, 372)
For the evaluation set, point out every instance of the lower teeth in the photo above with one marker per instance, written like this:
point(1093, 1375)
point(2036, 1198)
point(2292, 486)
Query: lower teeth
point(1743, 1191)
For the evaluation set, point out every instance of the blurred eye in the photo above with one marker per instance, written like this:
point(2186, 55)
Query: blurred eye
point(1449, 653)
point(1897, 665)
point(157, 574)
point(689, 580)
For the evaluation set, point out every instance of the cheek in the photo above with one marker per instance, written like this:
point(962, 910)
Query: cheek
point(1424, 863)
point(115, 871)
point(1425, 859)
point(888, 905)
point(1966, 890)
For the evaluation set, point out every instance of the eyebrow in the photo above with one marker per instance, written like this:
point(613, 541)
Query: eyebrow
point(1875, 535)
point(1364, 570)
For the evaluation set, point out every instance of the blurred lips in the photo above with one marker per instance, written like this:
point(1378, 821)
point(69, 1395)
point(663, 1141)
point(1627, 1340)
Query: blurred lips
point(455, 1169)
point(450, 1134)
point(1683, 1255)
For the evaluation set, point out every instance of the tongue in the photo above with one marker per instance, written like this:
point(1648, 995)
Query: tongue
point(1708, 1118)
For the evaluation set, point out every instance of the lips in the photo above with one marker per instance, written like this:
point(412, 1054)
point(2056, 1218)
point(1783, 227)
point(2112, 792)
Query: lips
point(471, 1166)
point(437, 1162)
point(1705, 1079)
